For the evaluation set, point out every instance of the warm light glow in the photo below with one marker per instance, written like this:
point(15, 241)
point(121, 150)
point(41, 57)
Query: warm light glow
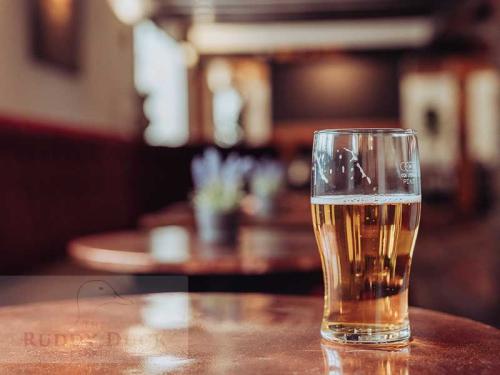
point(161, 76)
point(353, 34)
point(130, 11)
point(219, 75)
point(227, 103)
point(165, 363)
point(166, 311)
point(57, 11)
point(190, 54)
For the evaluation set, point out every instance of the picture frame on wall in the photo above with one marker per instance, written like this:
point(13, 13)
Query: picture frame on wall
point(430, 105)
point(55, 29)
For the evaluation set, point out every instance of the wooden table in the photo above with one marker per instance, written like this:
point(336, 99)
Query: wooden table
point(224, 333)
point(177, 250)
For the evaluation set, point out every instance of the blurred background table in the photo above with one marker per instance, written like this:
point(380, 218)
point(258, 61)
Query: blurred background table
point(224, 333)
point(293, 211)
point(260, 252)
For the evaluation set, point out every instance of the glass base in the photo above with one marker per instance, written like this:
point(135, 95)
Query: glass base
point(347, 334)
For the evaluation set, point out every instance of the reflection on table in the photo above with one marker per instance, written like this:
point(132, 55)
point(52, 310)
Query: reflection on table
point(224, 333)
point(176, 249)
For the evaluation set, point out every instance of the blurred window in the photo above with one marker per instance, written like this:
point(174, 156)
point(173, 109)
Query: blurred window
point(227, 103)
point(161, 76)
point(241, 101)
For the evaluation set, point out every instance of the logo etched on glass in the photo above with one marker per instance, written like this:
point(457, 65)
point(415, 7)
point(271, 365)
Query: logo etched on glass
point(408, 172)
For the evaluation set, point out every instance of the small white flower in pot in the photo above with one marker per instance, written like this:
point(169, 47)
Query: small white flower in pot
point(266, 181)
point(217, 195)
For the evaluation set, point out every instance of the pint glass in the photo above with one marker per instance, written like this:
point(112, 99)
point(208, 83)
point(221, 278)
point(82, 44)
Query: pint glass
point(365, 203)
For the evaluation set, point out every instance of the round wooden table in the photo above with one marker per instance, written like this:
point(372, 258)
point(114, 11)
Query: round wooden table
point(224, 333)
point(177, 250)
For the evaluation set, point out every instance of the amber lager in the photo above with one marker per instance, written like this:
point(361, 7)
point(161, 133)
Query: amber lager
point(366, 244)
point(365, 197)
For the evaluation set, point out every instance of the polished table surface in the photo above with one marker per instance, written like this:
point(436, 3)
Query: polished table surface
point(224, 333)
point(177, 250)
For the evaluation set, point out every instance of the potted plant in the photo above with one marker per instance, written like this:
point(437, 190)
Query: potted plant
point(217, 195)
point(265, 183)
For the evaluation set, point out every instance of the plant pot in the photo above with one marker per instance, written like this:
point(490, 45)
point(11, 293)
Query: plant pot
point(219, 228)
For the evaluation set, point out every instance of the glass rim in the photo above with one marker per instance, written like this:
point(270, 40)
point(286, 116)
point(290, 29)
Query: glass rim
point(372, 131)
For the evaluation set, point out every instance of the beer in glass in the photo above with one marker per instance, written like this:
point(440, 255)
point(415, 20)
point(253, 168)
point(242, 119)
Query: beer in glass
point(365, 207)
